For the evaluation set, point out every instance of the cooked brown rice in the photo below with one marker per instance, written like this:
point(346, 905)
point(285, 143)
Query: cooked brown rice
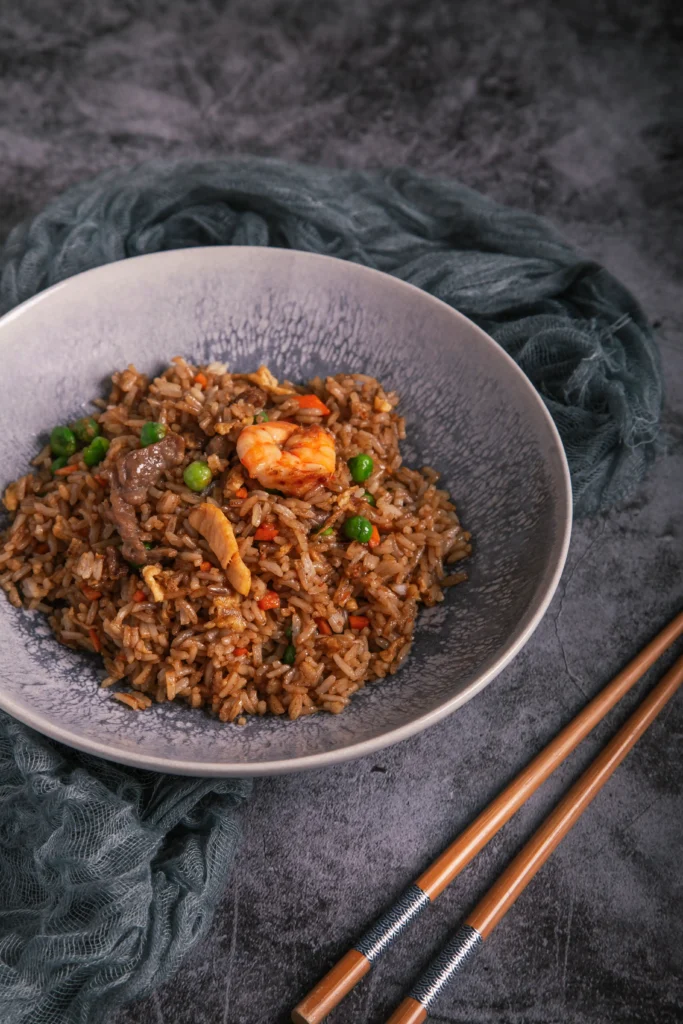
point(176, 628)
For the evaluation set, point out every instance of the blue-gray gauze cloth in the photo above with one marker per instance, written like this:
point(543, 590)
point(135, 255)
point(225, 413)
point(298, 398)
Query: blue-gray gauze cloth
point(109, 875)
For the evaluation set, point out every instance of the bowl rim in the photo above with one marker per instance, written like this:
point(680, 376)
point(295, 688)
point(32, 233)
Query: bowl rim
point(519, 637)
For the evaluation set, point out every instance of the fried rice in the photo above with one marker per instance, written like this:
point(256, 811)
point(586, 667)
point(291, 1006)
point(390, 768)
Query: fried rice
point(324, 613)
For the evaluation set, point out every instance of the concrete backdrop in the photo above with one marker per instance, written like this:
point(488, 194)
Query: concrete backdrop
point(568, 108)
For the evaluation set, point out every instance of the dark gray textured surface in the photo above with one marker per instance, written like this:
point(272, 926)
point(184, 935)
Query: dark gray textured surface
point(567, 109)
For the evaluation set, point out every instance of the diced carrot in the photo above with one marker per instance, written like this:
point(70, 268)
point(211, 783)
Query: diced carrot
point(269, 600)
point(90, 592)
point(324, 626)
point(205, 566)
point(95, 640)
point(312, 402)
point(101, 480)
point(65, 470)
point(374, 537)
point(266, 532)
point(358, 621)
point(42, 549)
point(239, 652)
point(139, 596)
point(201, 379)
point(242, 493)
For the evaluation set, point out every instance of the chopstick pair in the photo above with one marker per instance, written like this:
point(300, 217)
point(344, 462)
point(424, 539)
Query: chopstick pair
point(339, 981)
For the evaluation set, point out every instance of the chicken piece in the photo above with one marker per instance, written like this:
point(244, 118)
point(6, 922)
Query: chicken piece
point(148, 574)
point(11, 498)
point(228, 616)
point(265, 380)
point(216, 529)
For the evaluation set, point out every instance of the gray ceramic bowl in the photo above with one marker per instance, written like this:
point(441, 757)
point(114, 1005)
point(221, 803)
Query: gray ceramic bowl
point(470, 413)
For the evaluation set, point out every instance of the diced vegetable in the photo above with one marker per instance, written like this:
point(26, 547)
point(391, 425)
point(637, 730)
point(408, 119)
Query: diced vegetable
point(62, 441)
point(239, 652)
point(289, 655)
point(85, 430)
point(241, 493)
point(358, 621)
point(197, 476)
point(261, 417)
point(96, 451)
point(288, 631)
point(152, 432)
point(139, 596)
point(361, 466)
point(324, 626)
point(59, 463)
point(358, 528)
point(311, 402)
point(205, 566)
point(201, 379)
point(90, 592)
point(95, 640)
point(269, 600)
point(375, 539)
point(370, 498)
point(266, 532)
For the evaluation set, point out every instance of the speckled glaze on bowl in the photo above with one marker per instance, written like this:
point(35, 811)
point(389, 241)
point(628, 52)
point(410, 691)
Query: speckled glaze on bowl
point(470, 413)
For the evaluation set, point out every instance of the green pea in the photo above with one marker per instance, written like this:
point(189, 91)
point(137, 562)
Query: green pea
point(370, 498)
point(261, 417)
point(62, 441)
point(326, 533)
point(358, 528)
point(85, 430)
point(95, 452)
point(152, 432)
point(58, 463)
point(361, 467)
point(197, 476)
point(289, 655)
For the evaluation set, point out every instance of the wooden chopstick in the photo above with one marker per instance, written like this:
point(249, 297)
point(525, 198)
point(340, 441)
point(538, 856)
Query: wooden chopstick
point(514, 880)
point(348, 971)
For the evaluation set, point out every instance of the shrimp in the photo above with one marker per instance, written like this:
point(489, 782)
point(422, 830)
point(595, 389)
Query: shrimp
point(287, 457)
